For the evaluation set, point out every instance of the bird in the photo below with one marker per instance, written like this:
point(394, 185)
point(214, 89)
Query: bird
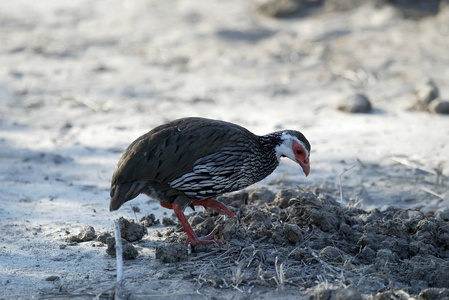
point(190, 161)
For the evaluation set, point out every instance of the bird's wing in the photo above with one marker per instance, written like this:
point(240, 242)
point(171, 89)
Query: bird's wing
point(169, 151)
point(216, 173)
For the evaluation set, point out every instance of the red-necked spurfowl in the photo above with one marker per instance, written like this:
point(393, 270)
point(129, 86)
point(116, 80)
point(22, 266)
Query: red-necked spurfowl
point(188, 162)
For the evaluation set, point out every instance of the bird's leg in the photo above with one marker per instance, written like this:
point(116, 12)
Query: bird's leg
point(191, 236)
point(215, 205)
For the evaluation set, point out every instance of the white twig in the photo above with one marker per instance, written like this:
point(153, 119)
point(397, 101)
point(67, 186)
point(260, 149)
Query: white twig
point(412, 165)
point(280, 276)
point(432, 192)
point(119, 257)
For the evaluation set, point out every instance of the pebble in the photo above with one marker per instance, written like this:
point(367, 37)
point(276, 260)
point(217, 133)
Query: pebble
point(276, 8)
point(168, 221)
point(52, 278)
point(149, 220)
point(103, 237)
point(356, 103)
point(129, 252)
point(425, 93)
point(331, 253)
point(87, 233)
point(439, 107)
point(293, 233)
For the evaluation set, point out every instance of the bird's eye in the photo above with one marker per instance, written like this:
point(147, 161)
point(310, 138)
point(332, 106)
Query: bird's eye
point(299, 151)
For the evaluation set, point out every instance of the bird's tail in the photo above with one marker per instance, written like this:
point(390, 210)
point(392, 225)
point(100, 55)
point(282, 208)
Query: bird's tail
point(122, 192)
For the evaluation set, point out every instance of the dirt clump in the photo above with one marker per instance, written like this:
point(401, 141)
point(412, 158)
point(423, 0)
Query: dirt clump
point(171, 253)
point(149, 220)
point(86, 234)
point(303, 237)
point(129, 252)
point(130, 230)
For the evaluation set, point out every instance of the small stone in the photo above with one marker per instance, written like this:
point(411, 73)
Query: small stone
point(87, 233)
point(103, 237)
point(345, 229)
point(293, 233)
point(425, 93)
point(276, 8)
point(348, 293)
point(357, 103)
point(129, 252)
point(434, 294)
point(168, 222)
point(331, 253)
point(439, 107)
point(52, 278)
point(73, 239)
point(148, 220)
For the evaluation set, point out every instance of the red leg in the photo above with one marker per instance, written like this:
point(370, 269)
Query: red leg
point(191, 236)
point(215, 205)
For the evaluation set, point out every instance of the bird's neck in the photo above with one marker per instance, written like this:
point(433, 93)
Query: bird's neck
point(270, 142)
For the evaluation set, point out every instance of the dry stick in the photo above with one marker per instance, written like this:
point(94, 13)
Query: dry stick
point(432, 192)
point(119, 256)
point(341, 189)
point(205, 255)
point(84, 101)
point(411, 165)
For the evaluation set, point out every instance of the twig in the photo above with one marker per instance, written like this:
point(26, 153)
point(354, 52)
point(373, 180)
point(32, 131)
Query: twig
point(411, 165)
point(84, 101)
point(280, 276)
point(205, 255)
point(341, 189)
point(119, 255)
point(432, 192)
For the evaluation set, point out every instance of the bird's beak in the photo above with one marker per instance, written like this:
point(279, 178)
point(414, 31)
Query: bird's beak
point(305, 166)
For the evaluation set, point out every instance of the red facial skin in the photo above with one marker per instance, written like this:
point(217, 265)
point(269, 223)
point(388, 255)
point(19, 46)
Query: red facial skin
point(301, 156)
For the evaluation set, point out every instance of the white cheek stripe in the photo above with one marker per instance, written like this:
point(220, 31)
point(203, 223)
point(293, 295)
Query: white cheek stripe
point(285, 150)
point(286, 147)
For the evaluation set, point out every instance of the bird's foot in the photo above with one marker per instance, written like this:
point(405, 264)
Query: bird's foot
point(204, 240)
point(215, 205)
point(191, 236)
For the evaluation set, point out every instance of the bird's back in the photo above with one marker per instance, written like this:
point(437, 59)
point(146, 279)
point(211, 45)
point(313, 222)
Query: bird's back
point(170, 151)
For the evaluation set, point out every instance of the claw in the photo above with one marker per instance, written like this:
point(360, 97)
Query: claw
point(204, 240)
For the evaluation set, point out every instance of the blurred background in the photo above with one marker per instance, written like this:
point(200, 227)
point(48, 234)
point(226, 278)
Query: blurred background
point(364, 81)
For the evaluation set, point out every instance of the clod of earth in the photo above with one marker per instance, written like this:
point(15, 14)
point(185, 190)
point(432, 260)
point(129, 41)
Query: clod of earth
point(316, 238)
point(129, 252)
point(87, 233)
point(149, 220)
point(171, 253)
point(131, 231)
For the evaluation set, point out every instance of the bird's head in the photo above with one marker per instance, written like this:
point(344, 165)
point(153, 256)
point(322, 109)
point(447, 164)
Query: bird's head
point(294, 145)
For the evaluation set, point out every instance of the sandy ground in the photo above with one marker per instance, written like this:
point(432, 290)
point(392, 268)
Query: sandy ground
point(79, 81)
